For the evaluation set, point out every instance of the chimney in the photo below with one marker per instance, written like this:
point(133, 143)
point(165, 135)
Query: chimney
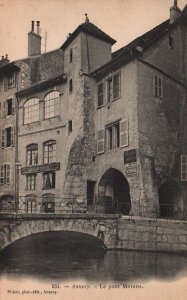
point(175, 12)
point(34, 40)
point(4, 60)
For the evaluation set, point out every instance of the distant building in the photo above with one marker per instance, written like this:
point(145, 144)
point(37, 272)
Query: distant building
point(106, 131)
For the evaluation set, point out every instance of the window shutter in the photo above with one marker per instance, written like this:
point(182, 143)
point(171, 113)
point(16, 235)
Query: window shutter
point(155, 86)
point(4, 109)
point(7, 166)
point(124, 137)
point(100, 93)
point(116, 86)
point(13, 105)
point(12, 135)
point(1, 174)
point(100, 141)
point(183, 167)
point(2, 138)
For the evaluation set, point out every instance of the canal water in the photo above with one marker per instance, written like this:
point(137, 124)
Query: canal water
point(73, 256)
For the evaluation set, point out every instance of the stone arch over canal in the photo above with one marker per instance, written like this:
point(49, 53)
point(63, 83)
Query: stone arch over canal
point(102, 229)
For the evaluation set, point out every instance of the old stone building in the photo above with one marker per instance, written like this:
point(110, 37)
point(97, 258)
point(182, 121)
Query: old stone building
point(106, 131)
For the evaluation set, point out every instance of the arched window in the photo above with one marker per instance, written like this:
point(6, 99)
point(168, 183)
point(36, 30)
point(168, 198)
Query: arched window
point(51, 104)
point(49, 152)
point(32, 154)
point(30, 201)
point(48, 203)
point(31, 111)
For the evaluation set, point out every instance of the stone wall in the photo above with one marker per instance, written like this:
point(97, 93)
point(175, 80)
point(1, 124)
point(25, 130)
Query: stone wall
point(152, 234)
point(127, 233)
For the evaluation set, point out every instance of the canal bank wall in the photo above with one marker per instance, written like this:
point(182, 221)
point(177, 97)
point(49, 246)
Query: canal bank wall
point(115, 231)
point(137, 233)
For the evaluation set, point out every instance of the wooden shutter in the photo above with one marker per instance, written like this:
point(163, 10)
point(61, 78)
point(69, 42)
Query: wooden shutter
point(155, 86)
point(7, 172)
point(12, 135)
point(101, 141)
point(1, 174)
point(2, 138)
point(100, 94)
point(160, 87)
point(4, 109)
point(116, 86)
point(13, 105)
point(183, 167)
point(124, 135)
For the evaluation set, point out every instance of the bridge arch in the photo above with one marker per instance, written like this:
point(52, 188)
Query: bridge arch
point(16, 229)
point(114, 192)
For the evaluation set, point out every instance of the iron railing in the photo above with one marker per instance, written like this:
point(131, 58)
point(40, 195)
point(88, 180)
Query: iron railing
point(72, 204)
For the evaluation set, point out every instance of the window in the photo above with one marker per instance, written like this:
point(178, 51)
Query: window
point(49, 152)
point(100, 93)
point(100, 141)
point(31, 182)
point(171, 42)
point(157, 87)
point(113, 87)
point(9, 82)
point(31, 203)
point(8, 107)
point(49, 180)
point(116, 136)
point(183, 167)
point(32, 154)
point(70, 126)
point(48, 203)
point(7, 137)
point(5, 174)
point(31, 111)
point(113, 136)
point(51, 104)
point(70, 85)
point(71, 55)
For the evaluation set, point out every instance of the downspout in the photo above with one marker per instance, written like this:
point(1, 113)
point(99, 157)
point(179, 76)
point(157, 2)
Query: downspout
point(16, 152)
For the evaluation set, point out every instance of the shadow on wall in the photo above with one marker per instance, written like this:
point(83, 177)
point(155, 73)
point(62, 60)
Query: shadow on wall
point(170, 199)
point(114, 193)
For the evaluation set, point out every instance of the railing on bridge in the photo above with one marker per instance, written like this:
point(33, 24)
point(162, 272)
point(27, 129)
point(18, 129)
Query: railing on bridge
point(73, 204)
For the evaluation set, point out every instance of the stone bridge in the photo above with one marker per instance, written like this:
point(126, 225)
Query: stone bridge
point(115, 231)
point(16, 226)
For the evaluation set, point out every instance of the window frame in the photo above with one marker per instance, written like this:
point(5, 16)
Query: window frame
point(52, 180)
point(5, 174)
point(5, 141)
point(31, 182)
point(30, 151)
point(158, 86)
point(47, 159)
point(28, 118)
point(110, 88)
point(51, 102)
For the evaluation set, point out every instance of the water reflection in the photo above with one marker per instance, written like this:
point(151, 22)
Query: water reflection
point(73, 256)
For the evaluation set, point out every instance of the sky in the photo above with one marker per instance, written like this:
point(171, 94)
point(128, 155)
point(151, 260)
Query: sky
point(123, 20)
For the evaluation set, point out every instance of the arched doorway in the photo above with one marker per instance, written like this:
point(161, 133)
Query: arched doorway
point(169, 193)
point(114, 192)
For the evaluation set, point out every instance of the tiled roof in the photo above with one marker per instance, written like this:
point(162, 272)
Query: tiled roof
point(90, 29)
point(127, 53)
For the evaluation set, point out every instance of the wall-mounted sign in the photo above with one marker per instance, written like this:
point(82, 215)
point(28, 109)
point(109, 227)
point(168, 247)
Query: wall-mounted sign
point(131, 170)
point(130, 156)
point(41, 168)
